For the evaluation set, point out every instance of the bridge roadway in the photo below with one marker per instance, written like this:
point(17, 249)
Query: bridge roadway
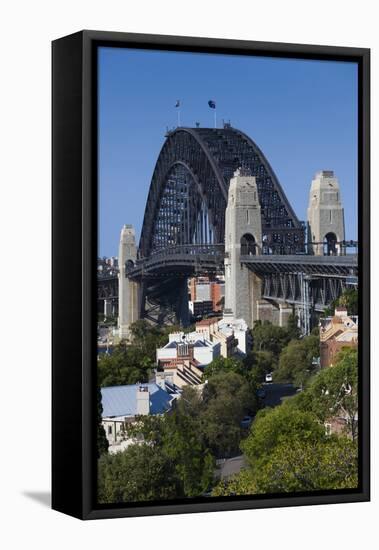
point(326, 266)
point(192, 259)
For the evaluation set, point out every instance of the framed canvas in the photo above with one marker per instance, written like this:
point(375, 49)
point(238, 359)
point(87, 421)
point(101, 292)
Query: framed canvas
point(210, 275)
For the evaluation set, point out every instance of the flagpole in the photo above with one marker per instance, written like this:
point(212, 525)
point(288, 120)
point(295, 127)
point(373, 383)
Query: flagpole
point(178, 116)
point(215, 118)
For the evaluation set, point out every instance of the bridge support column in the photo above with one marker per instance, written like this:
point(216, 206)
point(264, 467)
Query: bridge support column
point(326, 223)
point(108, 308)
point(285, 310)
point(243, 236)
point(266, 311)
point(128, 290)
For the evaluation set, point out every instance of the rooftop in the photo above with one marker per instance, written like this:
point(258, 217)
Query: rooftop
point(208, 322)
point(122, 400)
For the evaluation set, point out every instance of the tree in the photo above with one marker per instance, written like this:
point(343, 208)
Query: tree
point(269, 337)
point(257, 364)
point(140, 473)
point(127, 364)
point(227, 398)
point(310, 466)
point(183, 444)
point(334, 392)
point(299, 466)
point(178, 437)
point(293, 327)
point(222, 365)
point(295, 361)
point(272, 427)
point(348, 299)
point(102, 442)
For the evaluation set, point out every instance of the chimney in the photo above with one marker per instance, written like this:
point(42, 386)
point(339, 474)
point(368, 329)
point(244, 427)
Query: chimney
point(143, 400)
point(340, 311)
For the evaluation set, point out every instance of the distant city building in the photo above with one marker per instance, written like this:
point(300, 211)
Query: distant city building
point(337, 332)
point(107, 267)
point(200, 308)
point(203, 289)
point(112, 261)
point(121, 405)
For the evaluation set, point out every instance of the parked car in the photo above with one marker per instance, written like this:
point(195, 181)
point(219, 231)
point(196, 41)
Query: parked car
point(246, 421)
point(268, 377)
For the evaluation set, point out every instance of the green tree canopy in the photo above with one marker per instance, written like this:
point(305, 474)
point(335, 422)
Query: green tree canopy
point(348, 299)
point(295, 361)
point(272, 427)
point(299, 466)
point(140, 473)
point(125, 365)
point(269, 337)
point(224, 364)
point(334, 392)
point(257, 364)
point(172, 462)
point(227, 398)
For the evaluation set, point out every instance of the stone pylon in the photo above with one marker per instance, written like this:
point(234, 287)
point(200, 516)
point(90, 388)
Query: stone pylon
point(243, 236)
point(326, 224)
point(128, 290)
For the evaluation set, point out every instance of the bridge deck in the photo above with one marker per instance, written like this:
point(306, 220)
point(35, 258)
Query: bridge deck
point(192, 259)
point(299, 263)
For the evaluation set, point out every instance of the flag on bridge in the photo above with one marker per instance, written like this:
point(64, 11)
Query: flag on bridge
point(177, 105)
point(212, 104)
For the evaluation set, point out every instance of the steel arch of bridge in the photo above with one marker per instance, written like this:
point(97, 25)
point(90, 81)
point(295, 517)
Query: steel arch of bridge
point(192, 172)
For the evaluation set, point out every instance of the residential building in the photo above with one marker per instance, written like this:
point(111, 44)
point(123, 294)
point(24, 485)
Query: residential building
point(209, 328)
point(121, 405)
point(238, 327)
point(182, 359)
point(336, 333)
point(181, 344)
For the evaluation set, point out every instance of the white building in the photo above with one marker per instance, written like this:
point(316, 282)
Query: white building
point(204, 351)
point(240, 330)
point(233, 334)
point(121, 405)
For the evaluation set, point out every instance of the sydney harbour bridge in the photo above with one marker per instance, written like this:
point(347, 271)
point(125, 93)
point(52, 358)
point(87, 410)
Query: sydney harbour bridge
point(184, 233)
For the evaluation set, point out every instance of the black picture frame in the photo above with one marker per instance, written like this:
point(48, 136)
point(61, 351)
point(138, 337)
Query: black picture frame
point(74, 205)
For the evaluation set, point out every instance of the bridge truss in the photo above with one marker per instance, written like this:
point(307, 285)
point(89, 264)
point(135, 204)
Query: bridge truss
point(183, 230)
point(189, 191)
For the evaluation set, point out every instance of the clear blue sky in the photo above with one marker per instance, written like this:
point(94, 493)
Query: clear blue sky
point(302, 114)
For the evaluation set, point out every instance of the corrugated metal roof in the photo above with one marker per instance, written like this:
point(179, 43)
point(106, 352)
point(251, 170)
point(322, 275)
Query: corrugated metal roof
point(122, 400)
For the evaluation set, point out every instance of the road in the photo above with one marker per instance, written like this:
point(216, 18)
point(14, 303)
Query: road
point(275, 393)
point(230, 466)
